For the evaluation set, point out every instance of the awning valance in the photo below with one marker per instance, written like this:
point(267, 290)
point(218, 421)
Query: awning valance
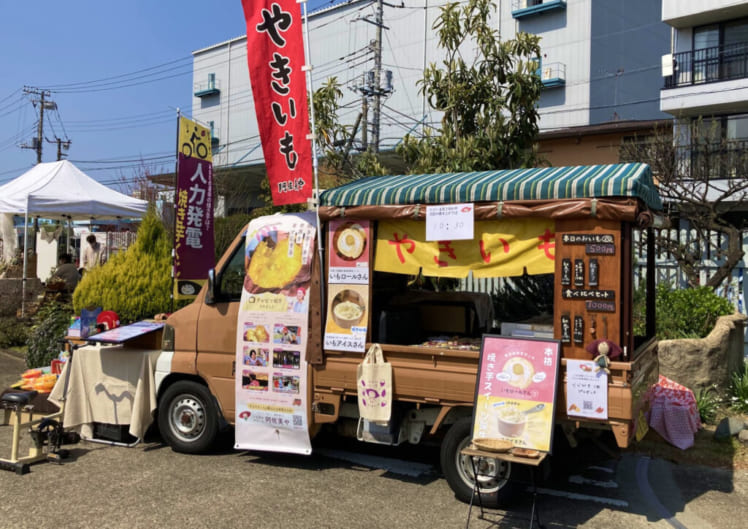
point(632, 180)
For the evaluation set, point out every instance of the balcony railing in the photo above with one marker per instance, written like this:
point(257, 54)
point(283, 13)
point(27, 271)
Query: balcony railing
point(209, 88)
point(709, 65)
point(526, 8)
point(553, 74)
point(698, 161)
point(725, 160)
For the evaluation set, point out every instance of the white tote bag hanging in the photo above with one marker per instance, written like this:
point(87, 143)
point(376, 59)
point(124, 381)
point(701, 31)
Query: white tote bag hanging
point(374, 382)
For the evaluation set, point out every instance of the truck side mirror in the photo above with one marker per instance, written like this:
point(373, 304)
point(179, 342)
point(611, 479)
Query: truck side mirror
point(210, 296)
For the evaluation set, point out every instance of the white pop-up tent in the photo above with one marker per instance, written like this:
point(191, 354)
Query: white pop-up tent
point(59, 190)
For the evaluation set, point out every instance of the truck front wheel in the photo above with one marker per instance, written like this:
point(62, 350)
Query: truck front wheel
point(493, 474)
point(187, 417)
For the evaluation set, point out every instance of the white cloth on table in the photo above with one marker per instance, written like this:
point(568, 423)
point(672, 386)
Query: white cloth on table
point(109, 384)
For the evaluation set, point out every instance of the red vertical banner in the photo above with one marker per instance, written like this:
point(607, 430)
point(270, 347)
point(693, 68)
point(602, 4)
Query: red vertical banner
point(275, 55)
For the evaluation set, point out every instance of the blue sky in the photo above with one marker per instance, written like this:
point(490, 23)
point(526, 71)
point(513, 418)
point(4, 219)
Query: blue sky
point(117, 71)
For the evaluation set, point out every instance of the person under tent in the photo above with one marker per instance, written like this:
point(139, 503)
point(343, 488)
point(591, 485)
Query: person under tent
point(67, 271)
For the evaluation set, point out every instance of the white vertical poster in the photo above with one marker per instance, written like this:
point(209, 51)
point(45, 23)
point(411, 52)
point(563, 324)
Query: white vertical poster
point(586, 390)
point(272, 333)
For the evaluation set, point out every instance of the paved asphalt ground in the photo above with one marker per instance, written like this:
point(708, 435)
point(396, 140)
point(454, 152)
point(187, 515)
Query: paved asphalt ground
point(346, 485)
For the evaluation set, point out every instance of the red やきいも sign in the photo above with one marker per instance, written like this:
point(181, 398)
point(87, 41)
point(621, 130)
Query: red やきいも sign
point(275, 56)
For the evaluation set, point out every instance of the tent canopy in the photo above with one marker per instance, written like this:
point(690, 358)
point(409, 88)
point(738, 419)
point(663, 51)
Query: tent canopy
point(548, 183)
point(60, 190)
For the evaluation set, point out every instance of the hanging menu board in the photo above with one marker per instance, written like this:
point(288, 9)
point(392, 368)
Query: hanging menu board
point(515, 394)
point(588, 292)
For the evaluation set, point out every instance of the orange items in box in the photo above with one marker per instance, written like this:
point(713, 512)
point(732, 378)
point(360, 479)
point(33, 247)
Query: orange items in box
point(31, 374)
point(44, 383)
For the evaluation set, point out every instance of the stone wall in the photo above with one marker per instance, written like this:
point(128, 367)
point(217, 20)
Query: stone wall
point(10, 294)
point(701, 363)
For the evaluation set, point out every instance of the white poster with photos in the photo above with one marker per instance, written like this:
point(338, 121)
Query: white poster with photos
point(272, 334)
point(586, 390)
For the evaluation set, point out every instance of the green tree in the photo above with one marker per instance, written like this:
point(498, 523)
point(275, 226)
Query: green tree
point(136, 283)
point(487, 90)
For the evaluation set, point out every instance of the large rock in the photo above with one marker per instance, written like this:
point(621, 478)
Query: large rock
point(728, 427)
point(701, 363)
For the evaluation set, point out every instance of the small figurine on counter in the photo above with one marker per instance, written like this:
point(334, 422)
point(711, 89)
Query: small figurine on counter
point(605, 350)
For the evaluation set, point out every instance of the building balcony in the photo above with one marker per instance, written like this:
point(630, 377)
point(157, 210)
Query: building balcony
point(709, 65)
point(526, 8)
point(207, 89)
point(722, 160)
point(691, 88)
point(553, 74)
point(690, 13)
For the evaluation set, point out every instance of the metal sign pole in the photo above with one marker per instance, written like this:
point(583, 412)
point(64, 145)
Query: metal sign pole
point(315, 164)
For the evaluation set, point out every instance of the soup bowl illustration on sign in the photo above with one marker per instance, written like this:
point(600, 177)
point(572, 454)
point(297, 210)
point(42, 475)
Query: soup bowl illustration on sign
point(512, 421)
point(347, 308)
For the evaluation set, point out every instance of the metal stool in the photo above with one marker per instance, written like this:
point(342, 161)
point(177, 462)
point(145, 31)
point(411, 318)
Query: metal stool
point(15, 406)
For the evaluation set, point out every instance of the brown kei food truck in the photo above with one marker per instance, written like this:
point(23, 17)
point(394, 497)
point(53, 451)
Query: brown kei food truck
point(574, 227)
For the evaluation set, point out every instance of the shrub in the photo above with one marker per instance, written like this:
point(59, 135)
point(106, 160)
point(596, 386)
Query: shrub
point(707, 402)
point(688, 313)
point(136, 283)
point(739, 390)
point(12, 332)
point(51, 324)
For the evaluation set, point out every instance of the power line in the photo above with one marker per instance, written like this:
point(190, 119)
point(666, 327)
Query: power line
point(119, 76)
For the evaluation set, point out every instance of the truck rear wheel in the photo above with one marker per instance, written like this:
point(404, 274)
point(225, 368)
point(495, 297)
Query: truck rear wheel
point(493, 474)
point(187, 417)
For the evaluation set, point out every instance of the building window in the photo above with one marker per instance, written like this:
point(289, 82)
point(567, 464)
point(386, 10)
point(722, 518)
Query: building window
point(720, 51)
point(718, 144)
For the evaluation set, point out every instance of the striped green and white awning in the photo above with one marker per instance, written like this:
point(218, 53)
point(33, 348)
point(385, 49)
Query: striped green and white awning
point(548, 183)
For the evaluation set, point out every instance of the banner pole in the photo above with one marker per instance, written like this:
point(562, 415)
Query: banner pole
point(315, 164)
point(174, 237)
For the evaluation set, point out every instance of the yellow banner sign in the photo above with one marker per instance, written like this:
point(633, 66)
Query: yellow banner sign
point(500, 248)
point(194, 140)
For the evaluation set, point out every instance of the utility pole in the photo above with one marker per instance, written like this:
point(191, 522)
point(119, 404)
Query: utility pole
point(43, 104)
point(365, 119)
point(376, 111)
point(60, 146)
point(370, 84)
